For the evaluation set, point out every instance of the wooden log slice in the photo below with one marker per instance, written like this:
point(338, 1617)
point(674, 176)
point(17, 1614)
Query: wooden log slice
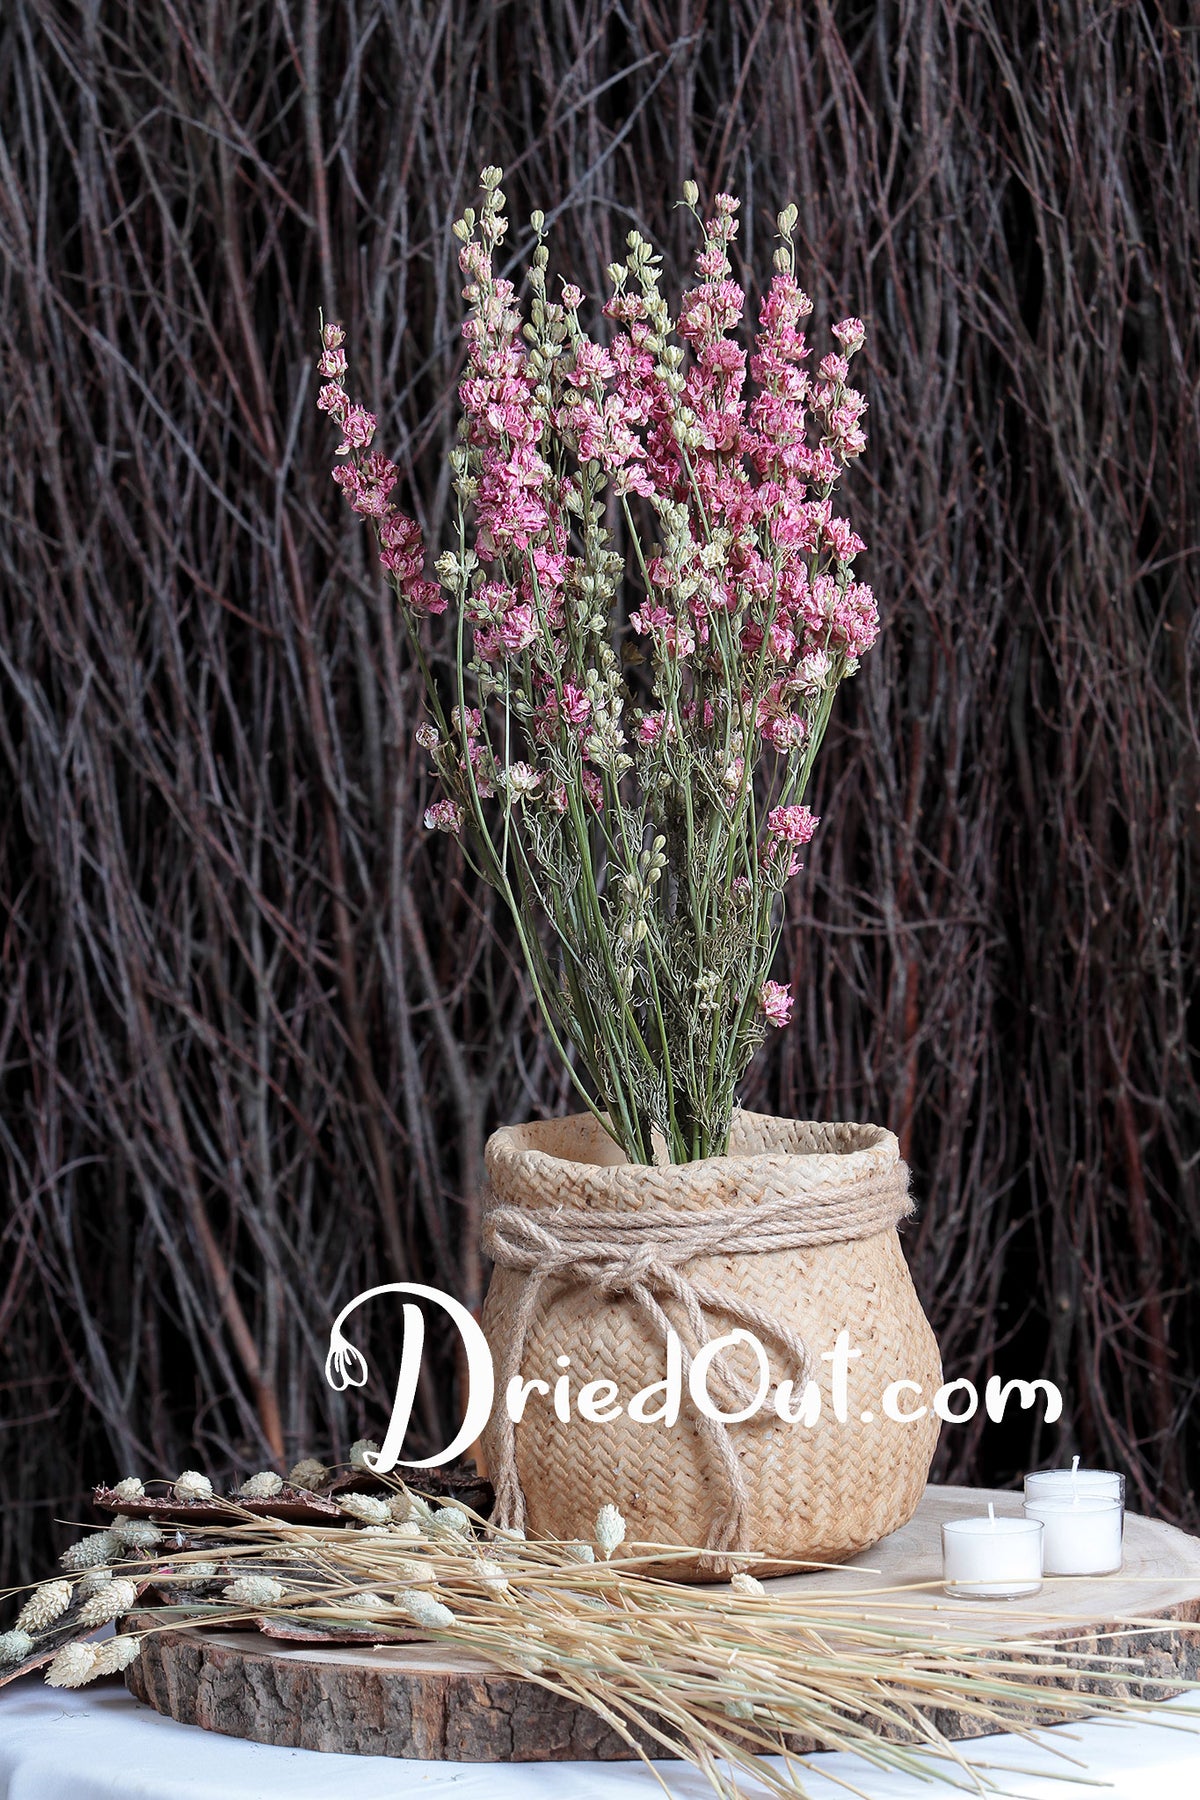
point(436, 1702)
point(412, 1700)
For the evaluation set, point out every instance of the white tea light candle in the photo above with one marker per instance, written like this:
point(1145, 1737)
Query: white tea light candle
point(1081, 1536)
point(992, 1559)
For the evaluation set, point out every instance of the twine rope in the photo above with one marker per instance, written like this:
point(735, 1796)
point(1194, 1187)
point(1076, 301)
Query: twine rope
point(641, 1257)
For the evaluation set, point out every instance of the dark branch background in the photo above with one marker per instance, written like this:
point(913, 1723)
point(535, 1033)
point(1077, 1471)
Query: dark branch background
point(254, 1025)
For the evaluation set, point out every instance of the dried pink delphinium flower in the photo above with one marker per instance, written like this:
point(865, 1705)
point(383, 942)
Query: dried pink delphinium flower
point(649, 813)
point(776, 1002)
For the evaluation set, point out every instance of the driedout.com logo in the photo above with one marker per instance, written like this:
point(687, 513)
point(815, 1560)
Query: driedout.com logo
point(599, 1401)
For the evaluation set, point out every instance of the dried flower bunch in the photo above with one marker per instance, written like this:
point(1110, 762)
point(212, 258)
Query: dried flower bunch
point(632, 730)
point(719, 1676)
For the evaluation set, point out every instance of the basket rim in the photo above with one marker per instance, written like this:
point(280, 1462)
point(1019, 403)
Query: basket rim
point(523, 1148)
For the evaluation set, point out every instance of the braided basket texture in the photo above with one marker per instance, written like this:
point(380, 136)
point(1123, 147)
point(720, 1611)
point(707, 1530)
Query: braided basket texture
point(820, 1492)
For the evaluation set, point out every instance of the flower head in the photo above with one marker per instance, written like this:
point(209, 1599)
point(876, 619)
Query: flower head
point(263, 1486)
point(44, 1605)
point(741, 1583)
point(444, 815)
point(115, 1654)
point(851, 334)
point(15, 1646)
point(423, 1609)
point(98, 1547)
point(108, 1602)
point(358, 428)
point(367, 1507)
point(520, 779)
point(254, 1590)
point(610, 1530)
point(135, 1534)
point(191, 1485)
point(776, 1002)
point(74, 1665)
point(792, 824)
point(308, 1473)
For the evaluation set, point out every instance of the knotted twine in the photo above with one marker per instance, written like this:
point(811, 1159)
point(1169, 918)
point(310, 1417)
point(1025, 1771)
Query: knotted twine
point(641, 1256)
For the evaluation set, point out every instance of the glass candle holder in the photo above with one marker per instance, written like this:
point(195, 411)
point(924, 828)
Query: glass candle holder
point(1076, 1483)
point(992, 1559)
point(1081, 1536)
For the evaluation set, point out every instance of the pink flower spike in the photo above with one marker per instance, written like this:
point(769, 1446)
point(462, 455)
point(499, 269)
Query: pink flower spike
point(332, 335)
point(776, 1001)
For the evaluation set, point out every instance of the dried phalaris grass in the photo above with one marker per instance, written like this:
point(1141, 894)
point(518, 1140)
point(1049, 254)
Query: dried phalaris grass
point(721, 1677)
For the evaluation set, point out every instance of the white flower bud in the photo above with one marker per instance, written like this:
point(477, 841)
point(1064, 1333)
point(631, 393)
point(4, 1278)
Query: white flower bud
point(254, 1590)
point(746, 1584)
point(74, 1665)
point(15, 1646)
point(108, 1602)
point(197, 1571)
point(115, 1655)
point(89, 1552)
point(423, 1609)
point(129, 1489)
point(409, 1509)
point(610, 1530)
point(580, 1553)
point(453, 1518)
point(308, 1472)
point(359, 1450)
point(92, 1581)
point(44, 1605)
point(691, 193)
point(135, 1534)
point(365, 1601)
point(367, 1507)
point(191, 1485)
point(263, 1486)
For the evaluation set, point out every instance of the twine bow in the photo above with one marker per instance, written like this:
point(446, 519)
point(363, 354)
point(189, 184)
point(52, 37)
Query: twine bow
point(641, 1257)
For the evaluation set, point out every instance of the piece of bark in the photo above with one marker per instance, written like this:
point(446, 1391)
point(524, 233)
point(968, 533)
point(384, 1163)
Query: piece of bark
point(298, 1506)
point(416, 1700)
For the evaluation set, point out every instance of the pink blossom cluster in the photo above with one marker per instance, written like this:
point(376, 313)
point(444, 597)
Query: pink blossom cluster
point(616, 788)
point(776, 1001)
point(757, 466)
point(367, 481)
point(788, 828)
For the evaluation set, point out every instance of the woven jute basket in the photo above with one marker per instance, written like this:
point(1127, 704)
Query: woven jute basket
point(834, 1193)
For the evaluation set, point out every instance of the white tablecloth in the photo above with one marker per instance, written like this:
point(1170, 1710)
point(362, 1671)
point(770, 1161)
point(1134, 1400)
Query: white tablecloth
point(100, 1744)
